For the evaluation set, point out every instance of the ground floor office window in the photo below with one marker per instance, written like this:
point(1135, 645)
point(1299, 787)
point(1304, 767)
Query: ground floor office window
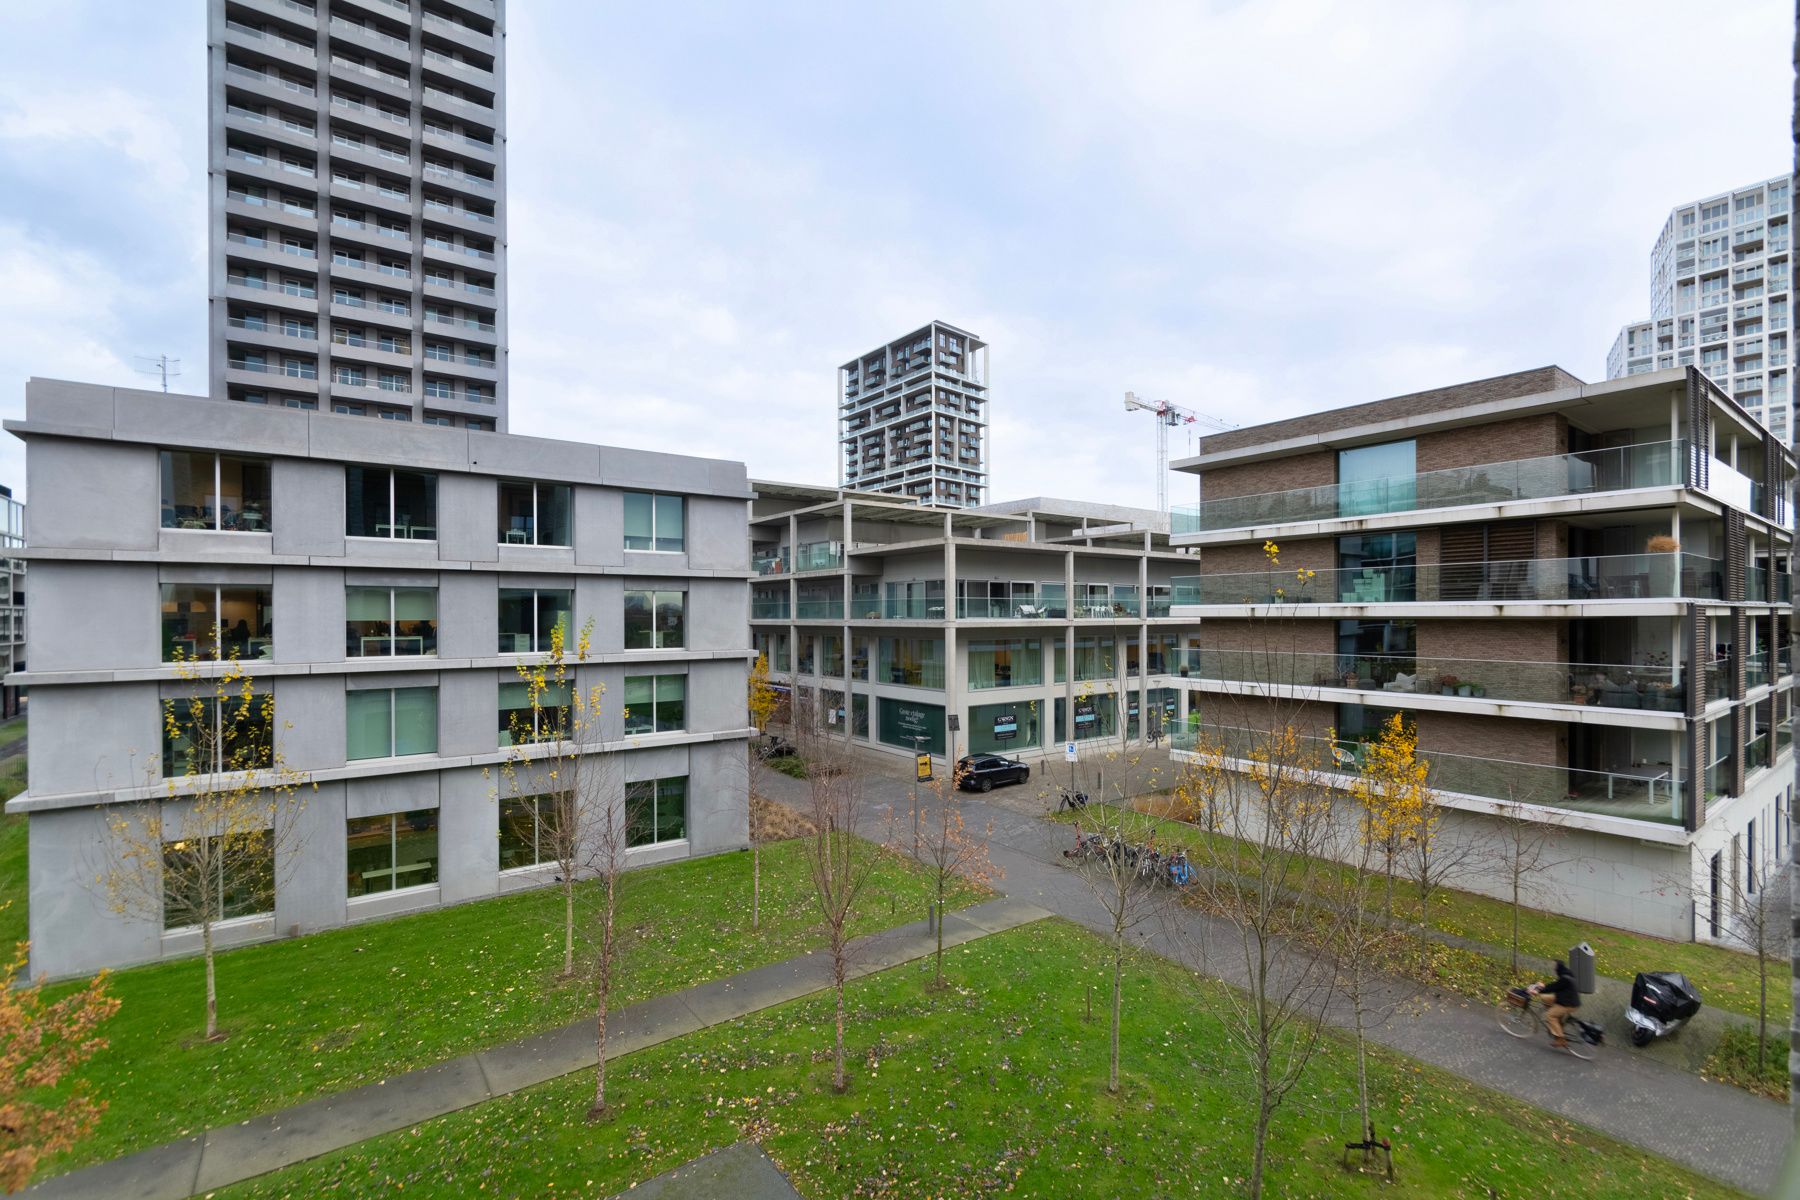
point(242, 879)
point(910, 725)
point(656, 811)
point(1013, 662)
point(1005, 728)
point(1095, 716)
point(399, 850)
point(389, 722)
point(528, 829)
point(912, 662)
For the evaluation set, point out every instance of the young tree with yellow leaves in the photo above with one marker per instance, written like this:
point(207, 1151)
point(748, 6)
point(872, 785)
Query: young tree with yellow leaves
point(228, 822)
point(560, 785)
point(40, 1043)
point(762, 701)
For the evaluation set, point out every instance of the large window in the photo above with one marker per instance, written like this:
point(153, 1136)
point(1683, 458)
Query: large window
point(1377, 567)
point(1013, 662)
point(911, 725)
point(535, 514)
point(521, 722)
point(1095, 716)
point(529, 827)
point(204, 622)
point(396, 851)
point(528, 616)
point(385, 622)
point(1004, 728)
point(389, 722)
point(912, 662)
point(655, 620)
point(656, 811)
point(655, 522)
point(1095, 658)
point(212, 734)
point(214, 491)
point(1375, 479)
point(383, 503)
point(655, 703)
point(247, 890)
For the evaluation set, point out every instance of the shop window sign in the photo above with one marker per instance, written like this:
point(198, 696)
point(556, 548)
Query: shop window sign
point(1006, 726)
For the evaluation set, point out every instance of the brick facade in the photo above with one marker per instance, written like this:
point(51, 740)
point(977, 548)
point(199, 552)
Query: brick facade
point(1315, 469)
point(1499, 738)
point(1498, 441)
point(1280, 636)
point(1319, 554)
point(1415, 404)
point(1503, 640)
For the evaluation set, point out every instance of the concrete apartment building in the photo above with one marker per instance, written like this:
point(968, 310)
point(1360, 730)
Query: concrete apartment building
point(382, 582)
point(912, 418)
point(1579, 593)
point(357, 183)
point(1719, 295)
point(919, 613)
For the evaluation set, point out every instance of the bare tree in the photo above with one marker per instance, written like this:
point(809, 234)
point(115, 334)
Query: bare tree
point(762, 701)
point(1752, 917)
point(839, 863)
point(1528, 849)
point(951, 851)
point(227, 825)
point(1275, 817)
point(561, 798)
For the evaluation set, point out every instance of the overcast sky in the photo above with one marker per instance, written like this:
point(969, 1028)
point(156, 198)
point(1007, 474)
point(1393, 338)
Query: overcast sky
point(1254, 209)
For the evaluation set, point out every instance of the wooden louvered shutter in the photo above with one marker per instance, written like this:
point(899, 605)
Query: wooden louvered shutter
point(1461, 549)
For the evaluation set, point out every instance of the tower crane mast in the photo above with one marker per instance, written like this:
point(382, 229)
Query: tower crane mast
point(1167, 417)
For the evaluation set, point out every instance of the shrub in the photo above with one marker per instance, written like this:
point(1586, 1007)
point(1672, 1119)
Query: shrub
point(1734, 1061)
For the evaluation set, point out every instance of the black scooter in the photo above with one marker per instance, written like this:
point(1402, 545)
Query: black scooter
point(1660, 1003)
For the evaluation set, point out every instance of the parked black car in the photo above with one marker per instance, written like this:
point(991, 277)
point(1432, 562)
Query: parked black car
point(981, 772)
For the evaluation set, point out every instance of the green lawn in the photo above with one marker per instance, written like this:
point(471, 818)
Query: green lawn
point(1727, 978)
point(993, 1087)
point(10, 732)
point(350, 1006)
point(12, 859)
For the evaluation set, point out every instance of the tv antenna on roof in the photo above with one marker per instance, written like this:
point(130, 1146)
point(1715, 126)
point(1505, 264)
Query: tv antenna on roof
point(161, 365)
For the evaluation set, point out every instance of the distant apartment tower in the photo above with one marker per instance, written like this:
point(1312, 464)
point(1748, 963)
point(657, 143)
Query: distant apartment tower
point(912, 418)
point(12, 596)
point(357, 175)
point(1719, 294)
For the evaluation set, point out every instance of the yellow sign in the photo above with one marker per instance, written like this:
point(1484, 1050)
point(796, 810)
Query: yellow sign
point(924, 768)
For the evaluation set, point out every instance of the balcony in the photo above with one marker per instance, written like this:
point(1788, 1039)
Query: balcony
point(819, 608)
point(1644, 687)
point(1650, 464)
point(773, 608)
point(1012, 600)
point(1650, 792)
point(1604, 577)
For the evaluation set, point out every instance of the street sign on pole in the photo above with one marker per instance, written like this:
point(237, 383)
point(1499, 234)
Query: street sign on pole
point(1069, 752)
point(924, 768)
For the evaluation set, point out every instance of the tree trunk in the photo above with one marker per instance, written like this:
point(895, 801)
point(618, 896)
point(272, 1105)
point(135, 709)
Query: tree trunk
point(212, 990)
point(1362, 1055)
point(755, 884)
point(940, 929)
point(1515, 923)
point(840, 1082)
point(1260, 1151)
point(1762, 998)
point(568, 922)
point(1112, 1079)
point(603, 996)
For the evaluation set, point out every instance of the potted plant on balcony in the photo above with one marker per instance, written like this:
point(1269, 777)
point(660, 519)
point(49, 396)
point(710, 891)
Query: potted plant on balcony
point(1661, 543)
point(1447, 684)
point(1466, 689)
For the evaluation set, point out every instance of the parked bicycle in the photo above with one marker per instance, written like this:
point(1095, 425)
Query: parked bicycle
point(1146, 862)
point(1521, 1014)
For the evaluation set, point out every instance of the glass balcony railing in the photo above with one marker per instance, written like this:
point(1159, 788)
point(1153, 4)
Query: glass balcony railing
point(818, 556)
point(1649, 792)
point(912, 608)
point(1604, 577)
point(1756, 669)
point(1604, 685)
point(767, 563)
point(1718, 777)
point(1013, 601)
point(1619, 468)
point(1756, 753)
point(820, 608)
point(769, 609)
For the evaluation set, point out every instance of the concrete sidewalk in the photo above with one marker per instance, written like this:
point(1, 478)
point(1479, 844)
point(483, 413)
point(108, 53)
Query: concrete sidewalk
point(1714, 1129)
point(237, 1152)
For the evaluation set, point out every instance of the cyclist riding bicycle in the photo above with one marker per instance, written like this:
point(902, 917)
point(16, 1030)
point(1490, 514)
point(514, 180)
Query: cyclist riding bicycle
point(1565, 998)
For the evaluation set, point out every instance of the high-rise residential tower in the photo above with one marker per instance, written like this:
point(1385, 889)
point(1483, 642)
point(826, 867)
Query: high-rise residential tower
point(1719, 293)
point(357, 174)
point(912, 418)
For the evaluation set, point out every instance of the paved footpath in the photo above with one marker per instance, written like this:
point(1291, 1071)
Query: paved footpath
point(234, 1153)
point(1717, 1130)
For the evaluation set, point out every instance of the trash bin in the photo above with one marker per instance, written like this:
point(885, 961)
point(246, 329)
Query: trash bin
point(1581, 964)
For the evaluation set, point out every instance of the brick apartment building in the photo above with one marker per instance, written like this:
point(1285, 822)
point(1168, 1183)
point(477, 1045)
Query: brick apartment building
point(1577, 593)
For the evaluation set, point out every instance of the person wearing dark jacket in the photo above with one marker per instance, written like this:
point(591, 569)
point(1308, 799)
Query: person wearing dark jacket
point(1565, 998)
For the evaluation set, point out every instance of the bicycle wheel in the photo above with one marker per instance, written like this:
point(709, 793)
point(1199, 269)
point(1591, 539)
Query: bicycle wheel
point(1520, 1020)
point(1579, 1046)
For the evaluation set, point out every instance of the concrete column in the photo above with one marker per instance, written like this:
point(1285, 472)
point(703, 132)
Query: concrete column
point(953, 664)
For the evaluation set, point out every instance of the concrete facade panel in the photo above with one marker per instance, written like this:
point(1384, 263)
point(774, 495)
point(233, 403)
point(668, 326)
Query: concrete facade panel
point(116, 624)
point(468, 518)
point(310, 887)
point(72, 929)
point(118, 729)
point(93, 495)
point(716, 534)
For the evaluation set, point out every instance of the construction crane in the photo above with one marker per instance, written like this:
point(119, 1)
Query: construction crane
point(1167, 417)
